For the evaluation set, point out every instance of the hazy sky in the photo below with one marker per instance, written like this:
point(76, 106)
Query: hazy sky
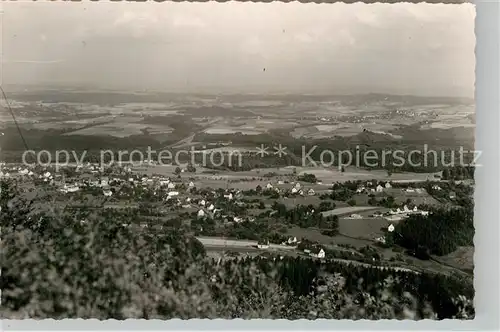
point(405, 48)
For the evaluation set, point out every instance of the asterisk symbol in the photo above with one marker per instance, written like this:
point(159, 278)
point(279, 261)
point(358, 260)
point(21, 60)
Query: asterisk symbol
point(280, 150)
point(262, 150)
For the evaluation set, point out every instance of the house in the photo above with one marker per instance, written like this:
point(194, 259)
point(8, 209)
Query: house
point(104, 182)
point(424, 213)
point(415, 209)
point(263, 244)
point(292, 240)
point(398, 211)
point(311, 192)
point(410, 190)
point(405, 208)
point(294, 190)
point(380, 239)
point(379, 189)
point(23, 172)
point(297, 185)
point(191, 184)
point(318, 252)
point(269, 186)
point(211, 207)
point(237, 219)
point(46, 175)
point(229, 196)
point(419, 191)
point(202, 203)
point(107, 192)
point(388, 185)
point(355, 216)
point(390, 228)
point(171, 185)
point(452, 195)
point(280, 182)
point(201, 213)
point(301, 192)
point(173, 193)
point(436, 187)
point(360, 189)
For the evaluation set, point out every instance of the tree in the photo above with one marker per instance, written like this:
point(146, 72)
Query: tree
point(191, 168)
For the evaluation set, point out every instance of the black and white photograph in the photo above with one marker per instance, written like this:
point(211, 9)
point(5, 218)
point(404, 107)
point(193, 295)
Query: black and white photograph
point(182, 160)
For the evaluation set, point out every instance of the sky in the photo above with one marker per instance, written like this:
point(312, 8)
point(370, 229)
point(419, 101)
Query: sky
point(419, 49)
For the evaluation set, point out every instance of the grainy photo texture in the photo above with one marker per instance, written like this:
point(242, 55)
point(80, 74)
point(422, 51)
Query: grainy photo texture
point(237, 160)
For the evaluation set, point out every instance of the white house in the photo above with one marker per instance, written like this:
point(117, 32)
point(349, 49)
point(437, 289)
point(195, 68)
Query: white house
point(107, 192)
point(424, 213)
point(390, 228)
point(23, 172)
point(173, 193)
point(171, 186)
point(311, 192)
point(188, 199)
point(355, 216)
point(237, 219)
point(388, 185)
point(292, 240)
point(294, 190)
point(380, 239)
point(269, 186)
point(280, 182)
point(360, 190)
point(229, 196)
point(297, 185)
point(46, 175)
point(436, 187)
point(30, 173)
point(379, 188)
point(211, 207)
point(319, 253)
point(415, 209)
point(410, 190)
point(191, 184)
point(104, 182)
point(201, 213)
point(202, 203)
point(405, 208)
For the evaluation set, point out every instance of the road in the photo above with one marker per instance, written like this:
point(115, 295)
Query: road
point(349, 210)
point(225, 243)
point(239, 244)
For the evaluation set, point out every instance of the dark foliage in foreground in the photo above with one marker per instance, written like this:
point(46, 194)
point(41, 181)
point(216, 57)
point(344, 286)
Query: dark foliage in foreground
point(100, 266)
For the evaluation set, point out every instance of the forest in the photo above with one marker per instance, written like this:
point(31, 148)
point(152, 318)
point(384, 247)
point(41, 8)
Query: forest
point(98, 265)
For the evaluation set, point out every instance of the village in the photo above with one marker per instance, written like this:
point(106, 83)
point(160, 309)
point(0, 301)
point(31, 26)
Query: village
point(229, 210)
